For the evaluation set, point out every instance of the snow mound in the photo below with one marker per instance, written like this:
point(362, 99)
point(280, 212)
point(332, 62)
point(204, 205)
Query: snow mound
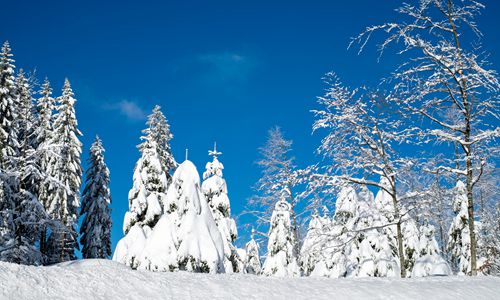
point(431, 265)
point(103, 279)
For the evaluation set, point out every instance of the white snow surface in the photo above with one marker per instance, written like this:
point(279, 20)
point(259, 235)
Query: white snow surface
point(105, 279)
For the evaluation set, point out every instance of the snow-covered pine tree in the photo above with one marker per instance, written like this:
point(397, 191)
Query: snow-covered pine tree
point(44, 136)
point(147, 195)
point(96, 225)
point(281, 259)
point(343, 233)
point(374, 252)
point(252, 263)
point(311, 253)
point(201, 246)
point(458, 234)
point(9, 182)
point(8, 193)
point(65, 171)
point(409, 228)
point(186, 236)
point(158, 131)
point(8, 104)
point(29, 214)
point(429, 261)
point(214, 188)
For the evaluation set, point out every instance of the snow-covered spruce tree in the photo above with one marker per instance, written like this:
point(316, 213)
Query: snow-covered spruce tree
point(201, 246)
point(362, 132)
point(9, 183)
point(29, 214)
point(459, 242)
point(8, 104)
point(147, 194)
point(186, 236)
point(96, 225)
point(214, 188)
point(45, 150)
point(374, 252)
point(159, 131)
point(8, 193)
point(279, 177)
point(311, 252)
point(343, 233)
point(281, 259)
point(429, 261)
point(327, 247)
point(446, 81)
point(65, 173)
point(252, 263)
point(409, 228)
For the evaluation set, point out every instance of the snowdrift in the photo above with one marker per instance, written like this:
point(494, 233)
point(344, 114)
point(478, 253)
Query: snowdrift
point(105, 279)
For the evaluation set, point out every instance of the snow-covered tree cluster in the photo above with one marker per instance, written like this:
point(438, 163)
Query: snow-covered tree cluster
point(40, 174)
point(175, 221)
point(425, 141)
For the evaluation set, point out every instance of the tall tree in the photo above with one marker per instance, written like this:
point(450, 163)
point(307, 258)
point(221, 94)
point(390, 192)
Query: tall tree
point(66, 171)
point(159, 131)
point(96, 225)
point(29, 213)
point(8, 101)
point(45, 149)
point(147, 196)
point(447, 83)
point(214, 187)
point(362, 131)
point(8, 149)
point(279, 179)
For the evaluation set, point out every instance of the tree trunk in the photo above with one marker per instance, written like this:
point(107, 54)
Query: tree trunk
point(397, 217)
point(295, 228)
point(467, 147)
point(399, 234)
point(470, 213)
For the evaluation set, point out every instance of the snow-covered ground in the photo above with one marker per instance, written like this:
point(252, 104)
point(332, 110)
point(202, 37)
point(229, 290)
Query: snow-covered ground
point(104, 279)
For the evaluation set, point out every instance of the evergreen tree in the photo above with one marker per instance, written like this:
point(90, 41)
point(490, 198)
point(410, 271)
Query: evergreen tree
point(45, 150)
point(215, 190)
point(8, 101)
point(281, 260)
point(458, 234)
point(312, 251)
point(29, 213)
point(96, 225)
point(252, 263)
point(147, 195)
point(427, 241)
point(158, 131)
point(408, 235)
point(65, 171)
point(8, 149)
point(374, 252)
point(8, 193)
point(25, 121)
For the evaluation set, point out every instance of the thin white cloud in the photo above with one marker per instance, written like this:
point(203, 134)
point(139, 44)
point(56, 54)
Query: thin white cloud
point(228, 66)
point(129, 109)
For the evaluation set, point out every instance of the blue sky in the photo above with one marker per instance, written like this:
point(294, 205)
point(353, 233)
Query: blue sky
point(222, 71)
